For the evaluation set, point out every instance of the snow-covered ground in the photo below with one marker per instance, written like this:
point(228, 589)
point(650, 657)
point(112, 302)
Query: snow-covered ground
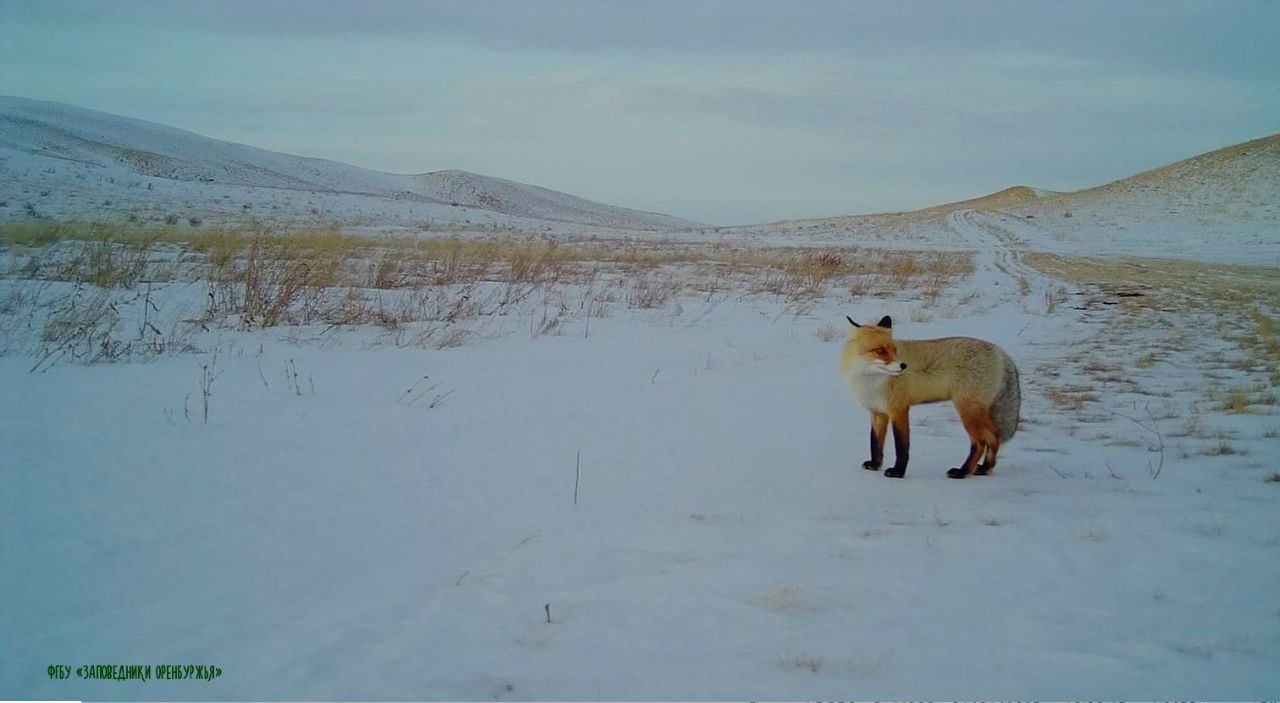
point(358, 519)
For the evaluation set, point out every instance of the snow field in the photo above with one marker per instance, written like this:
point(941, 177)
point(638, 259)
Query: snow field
point(358, 519)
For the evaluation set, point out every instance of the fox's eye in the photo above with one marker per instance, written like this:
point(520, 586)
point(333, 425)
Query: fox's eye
point(878, 350)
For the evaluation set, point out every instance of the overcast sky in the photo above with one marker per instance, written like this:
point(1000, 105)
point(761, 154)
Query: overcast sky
point(724, 112)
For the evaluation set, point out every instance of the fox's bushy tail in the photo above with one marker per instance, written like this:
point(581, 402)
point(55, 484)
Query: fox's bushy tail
point(1007, 408)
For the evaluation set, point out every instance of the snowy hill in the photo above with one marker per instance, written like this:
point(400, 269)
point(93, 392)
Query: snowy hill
point(513, 198)
point(69, 162)
point(1223, 205)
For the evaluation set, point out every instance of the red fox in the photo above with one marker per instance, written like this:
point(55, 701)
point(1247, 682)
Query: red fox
point(888, 377)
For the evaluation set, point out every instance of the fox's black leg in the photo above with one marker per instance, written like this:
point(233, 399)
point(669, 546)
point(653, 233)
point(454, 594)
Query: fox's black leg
point(901, 446)
point(975, 451)
point(877, 452)
point(879, 428)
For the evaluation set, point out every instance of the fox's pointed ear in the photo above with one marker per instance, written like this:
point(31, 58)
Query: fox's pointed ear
point(850, 319)
point(885, 322)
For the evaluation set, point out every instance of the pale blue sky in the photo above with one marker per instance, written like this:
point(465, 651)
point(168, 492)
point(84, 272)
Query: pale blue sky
point(722, 112)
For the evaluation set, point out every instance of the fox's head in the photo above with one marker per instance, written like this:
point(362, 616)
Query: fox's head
point(873, 348)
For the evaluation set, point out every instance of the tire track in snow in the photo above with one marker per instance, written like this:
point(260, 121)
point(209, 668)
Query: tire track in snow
point(1000, 276)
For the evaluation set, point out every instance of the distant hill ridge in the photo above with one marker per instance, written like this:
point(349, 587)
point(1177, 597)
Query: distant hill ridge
point(98, 141)
point(1013, 195)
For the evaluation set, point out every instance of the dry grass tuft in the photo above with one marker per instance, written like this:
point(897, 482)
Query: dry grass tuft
point(221, 247)
point(110, 265)
point(651, 291)
point(1222, 447)
point(1070, 397)
point(827, 333)
point(285, 280)
point(1236, 402)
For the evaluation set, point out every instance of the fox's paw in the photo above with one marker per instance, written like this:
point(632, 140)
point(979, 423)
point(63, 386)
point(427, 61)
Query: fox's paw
point(895, 472)
point(871, 465)
point(956, 473)
point(981, 470)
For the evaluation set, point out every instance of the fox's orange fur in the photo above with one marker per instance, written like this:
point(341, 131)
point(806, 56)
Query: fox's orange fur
point(888, 376)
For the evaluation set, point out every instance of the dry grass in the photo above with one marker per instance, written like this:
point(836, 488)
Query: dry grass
point(275, 266)
point(1215, 320)
point(798, 274)
point(81, 327)
point(424, 292)
point(827, 333)
point(1222, 447)
point(97, 260)
point(1241, 400)
point(221, 247)
point(652, 291)
point(1070, 397)
point(278, 279)
point(38, 234)
point(109, 265)
point(1263, 342)
point(1054, 298)
point(1136, 282)
point(1236, 402)
point(44, 232)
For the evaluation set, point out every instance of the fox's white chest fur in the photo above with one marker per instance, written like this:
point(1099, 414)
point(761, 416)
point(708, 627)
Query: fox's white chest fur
point(867, 387)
